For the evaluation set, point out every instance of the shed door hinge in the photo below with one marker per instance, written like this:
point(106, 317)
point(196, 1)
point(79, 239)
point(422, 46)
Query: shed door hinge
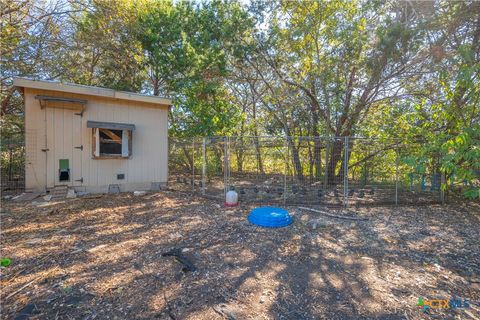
point(80, 147)
point(80, 180)
point(45, 150)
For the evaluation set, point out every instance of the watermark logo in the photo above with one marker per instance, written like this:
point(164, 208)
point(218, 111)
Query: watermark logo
point(453, 303)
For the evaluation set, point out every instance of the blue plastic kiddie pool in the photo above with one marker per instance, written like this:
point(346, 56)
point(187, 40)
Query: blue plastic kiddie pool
point(270, 217)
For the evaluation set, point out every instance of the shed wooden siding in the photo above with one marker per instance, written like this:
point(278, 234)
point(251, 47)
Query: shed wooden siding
point(64, 131)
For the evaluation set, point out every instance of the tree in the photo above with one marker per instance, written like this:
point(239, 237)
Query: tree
point(187, 48)
point(447, 115)
point(103, 48)
point(403, 70)
point(30, 35)
point(343, 57)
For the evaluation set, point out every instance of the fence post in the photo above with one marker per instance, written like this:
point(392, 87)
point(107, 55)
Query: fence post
point(225, 166)
point(345, 174)
point(325, 175)
point(10, 159)
point(285, 171)
point(193, 166)
point(442, 188)
point(228, 166)
point(204, 164)
point(396, 175)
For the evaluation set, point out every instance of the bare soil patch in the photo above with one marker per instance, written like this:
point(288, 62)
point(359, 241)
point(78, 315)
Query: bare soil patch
point(101, 258)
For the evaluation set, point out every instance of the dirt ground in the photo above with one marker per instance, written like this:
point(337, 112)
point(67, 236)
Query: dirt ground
point(100, 257)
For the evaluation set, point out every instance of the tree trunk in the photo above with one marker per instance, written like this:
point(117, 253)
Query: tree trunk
point(335, 157)
point(156, 86)
point(310, 161)
point(315, 134)
point(188, 156)
point(239, 152)
point(219, 160)
point(6, 101)
point(256, 142)
point(258, 155)
point(297, 165)
point(239, 162)
point(317, 157)
point(239, 144)
point(341, 172)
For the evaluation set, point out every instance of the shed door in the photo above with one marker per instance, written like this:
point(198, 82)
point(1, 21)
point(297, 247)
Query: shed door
point(64, 144)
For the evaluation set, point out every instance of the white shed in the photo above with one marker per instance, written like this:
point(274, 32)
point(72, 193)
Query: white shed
point(93, 139)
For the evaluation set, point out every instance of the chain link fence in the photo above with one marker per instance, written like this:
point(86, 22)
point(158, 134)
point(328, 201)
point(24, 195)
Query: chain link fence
point(332, 171)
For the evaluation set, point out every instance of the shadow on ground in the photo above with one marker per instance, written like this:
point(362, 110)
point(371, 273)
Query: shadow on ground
point(97, 258)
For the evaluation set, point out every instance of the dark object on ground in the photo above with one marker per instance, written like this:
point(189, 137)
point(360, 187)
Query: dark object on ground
point(335, 193)
point(26, 312)
point(361, 194)
point(279, 191)
point(294, 189)
point(371, 192)
point(351, 192)
point(255, 189)
point(334, 216)
point(320, 193)
point(242, 190)
point(177, 253)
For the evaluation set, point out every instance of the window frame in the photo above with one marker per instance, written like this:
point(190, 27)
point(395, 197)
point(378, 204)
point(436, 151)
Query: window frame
point(126, 153)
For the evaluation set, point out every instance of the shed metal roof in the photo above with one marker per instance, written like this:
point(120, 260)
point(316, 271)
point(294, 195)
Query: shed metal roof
point(89, 90)
point(110, 125)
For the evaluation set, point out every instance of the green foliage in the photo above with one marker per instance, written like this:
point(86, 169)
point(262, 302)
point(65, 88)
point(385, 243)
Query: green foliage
point(188, 47)
point(394, 71)
point(104, 48)
point(461, 159)
point(5, 262)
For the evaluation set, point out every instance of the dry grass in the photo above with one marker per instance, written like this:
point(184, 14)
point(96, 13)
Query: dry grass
point(99, 258)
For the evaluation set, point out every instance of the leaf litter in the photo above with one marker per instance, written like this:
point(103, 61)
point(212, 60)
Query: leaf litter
point(101, 257)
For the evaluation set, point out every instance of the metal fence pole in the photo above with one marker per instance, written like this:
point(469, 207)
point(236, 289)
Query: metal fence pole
point(442, 187)
point(345, 175)
point(325, 177)
point(204, 164)
point(228, 166)
point(225, 166)
point(285, 169)
point(193, 166)
point(396, 175)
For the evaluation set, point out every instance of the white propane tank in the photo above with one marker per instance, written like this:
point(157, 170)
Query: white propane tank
point(231, 199)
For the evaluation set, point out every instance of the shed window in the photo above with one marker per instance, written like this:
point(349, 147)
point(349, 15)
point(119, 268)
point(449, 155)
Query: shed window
point(112, 143)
